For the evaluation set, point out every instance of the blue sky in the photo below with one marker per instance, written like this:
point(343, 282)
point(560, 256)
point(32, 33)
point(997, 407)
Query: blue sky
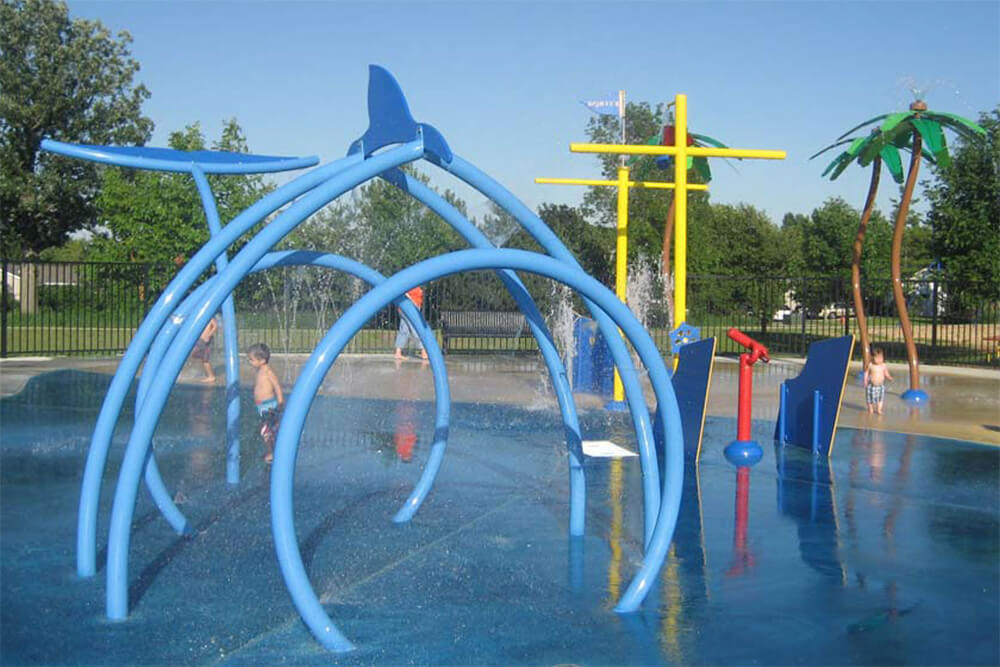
point(503, 80)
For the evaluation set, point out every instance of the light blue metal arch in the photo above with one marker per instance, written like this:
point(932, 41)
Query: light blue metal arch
point(153, 479)
point(90, 487)
point(550, 354)
point(326, 352)
point(619, 352)
point(225, 281)
point(390, 121)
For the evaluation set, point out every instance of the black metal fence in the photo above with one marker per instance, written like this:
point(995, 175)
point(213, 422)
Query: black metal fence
point(90, 308)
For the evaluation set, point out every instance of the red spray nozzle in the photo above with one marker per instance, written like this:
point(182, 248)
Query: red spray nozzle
point(757, 351)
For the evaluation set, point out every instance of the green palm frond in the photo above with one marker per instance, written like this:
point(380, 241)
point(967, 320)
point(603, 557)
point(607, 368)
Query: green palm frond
point(861, 125)
point(701, 166)
point(705, 140)
point(890, 157)
point(964, 127)
point(833, 145)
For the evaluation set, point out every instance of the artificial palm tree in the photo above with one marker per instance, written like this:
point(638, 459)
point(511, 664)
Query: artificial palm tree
point(866, 150)
point(701, 167)
point(920, 131)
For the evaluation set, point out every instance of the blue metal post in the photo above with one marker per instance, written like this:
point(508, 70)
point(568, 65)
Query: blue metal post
point(783, 414)
point(232, 350)
point(817, 416)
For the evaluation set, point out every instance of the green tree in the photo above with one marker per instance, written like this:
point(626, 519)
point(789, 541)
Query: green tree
point(395, 230)
point(155, 216)
point(738, 242)
point(965, 212)
point(68, 80)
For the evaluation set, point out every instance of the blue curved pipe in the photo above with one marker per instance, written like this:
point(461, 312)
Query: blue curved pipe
point(623, 360)
point(123, 506)
point(547, 347)
point(232, 348)
point(326, 352)
point(90, 487)
point(154, 481)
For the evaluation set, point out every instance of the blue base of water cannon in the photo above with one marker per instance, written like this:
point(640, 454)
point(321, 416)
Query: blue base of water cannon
point(914, 396)
point(616, 406)
point(743, 452)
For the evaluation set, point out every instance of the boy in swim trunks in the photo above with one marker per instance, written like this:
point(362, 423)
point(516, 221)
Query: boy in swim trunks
point(875, 378)
point(267, 396)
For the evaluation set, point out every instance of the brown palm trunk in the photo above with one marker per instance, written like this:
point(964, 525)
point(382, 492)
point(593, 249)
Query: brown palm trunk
point(897, 247)
point(668, 295)
point(668, 232)
point(859, 240)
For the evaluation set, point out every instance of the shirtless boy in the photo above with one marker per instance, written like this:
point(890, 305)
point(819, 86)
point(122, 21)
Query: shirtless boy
point(876, 376)
point(267, 396)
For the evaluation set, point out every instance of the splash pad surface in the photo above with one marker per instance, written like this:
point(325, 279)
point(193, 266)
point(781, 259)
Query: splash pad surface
point(887, 554)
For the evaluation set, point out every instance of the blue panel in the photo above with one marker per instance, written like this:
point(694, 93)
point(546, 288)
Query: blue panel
point(593, 367)
point(691, 381)
point(825, 371)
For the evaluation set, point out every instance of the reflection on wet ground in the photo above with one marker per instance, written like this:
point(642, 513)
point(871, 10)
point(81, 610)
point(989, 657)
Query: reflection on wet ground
point(888, 553)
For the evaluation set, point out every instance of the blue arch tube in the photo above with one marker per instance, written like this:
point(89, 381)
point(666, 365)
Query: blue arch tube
point(123, 505)
point(90, 487)
point(330, 261)
point(630, 381)
point(232, 348)
point(560, 383)
point(326, 352)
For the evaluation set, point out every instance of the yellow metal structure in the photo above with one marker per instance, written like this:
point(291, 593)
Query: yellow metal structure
point(681, 151)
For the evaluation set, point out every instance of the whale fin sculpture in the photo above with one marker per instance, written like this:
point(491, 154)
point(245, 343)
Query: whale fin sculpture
point(390, 121)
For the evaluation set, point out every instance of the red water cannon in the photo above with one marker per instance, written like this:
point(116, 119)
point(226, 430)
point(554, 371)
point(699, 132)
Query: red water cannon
point(744, 451)
point(757, 351)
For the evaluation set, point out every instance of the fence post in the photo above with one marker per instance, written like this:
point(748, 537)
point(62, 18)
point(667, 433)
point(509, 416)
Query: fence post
point(802, 338)
point(934, 318)
point(3, 313)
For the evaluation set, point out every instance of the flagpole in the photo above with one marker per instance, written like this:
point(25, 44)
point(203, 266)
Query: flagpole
point(621, 120)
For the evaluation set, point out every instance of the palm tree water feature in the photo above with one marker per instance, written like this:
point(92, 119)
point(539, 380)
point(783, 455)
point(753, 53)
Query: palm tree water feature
point(174, 323)
point(919, 131)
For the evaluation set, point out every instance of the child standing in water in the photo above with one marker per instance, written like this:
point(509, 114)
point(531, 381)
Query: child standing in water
point(876, 376)
point(203, 349)
point(267, 396)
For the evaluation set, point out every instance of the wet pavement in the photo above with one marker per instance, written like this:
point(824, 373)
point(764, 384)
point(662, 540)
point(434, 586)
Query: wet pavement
point(964, 402)
point(885, 554)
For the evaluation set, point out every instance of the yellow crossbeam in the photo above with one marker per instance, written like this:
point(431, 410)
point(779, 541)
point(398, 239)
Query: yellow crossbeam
point(651, 185)
point(694, 151)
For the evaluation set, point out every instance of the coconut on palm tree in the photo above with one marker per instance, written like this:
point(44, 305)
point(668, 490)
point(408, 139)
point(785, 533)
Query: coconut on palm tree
point(920, 131)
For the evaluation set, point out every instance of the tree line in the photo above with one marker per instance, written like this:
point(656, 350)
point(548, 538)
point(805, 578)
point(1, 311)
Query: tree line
point(71, 80)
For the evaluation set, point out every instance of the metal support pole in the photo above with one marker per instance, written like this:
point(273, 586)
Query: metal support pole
point(3, 313)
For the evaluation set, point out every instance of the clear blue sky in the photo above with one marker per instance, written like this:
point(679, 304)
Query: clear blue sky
point(503, 80)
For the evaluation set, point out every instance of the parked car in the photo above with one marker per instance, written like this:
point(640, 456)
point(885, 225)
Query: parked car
point(833, 311)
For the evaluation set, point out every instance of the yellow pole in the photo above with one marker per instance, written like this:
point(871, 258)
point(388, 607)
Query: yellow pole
point(695, 151)
point(652, 185)
point(680, 210)
point(621, 261)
